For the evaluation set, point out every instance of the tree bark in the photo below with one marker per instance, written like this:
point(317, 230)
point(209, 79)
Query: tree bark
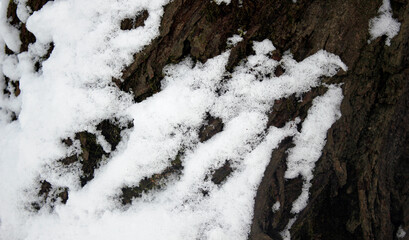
point(360, 188)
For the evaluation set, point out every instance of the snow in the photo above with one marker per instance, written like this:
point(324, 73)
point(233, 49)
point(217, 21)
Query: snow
point(222, 1)
point(74, 92)
point(400, 233)
point(384, 24)
point(276, 206)
point(264, 47)
point(23, 11)
point(232, 41)
point(311, 140)
point(285, 234)
point(9, 34)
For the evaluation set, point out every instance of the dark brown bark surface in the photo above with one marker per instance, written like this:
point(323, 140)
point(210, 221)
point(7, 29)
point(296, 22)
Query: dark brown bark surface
point(360, 188)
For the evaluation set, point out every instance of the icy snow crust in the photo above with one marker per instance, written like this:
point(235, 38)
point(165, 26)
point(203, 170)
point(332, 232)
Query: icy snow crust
point(73, 92)
point(384, 24)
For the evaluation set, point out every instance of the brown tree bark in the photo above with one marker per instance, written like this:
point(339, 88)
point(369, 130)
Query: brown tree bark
point(360, 188)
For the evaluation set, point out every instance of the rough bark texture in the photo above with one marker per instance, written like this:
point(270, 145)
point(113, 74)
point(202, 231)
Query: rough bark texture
point(360, 188)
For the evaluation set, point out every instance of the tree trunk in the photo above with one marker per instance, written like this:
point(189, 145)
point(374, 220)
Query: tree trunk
point(360, 187)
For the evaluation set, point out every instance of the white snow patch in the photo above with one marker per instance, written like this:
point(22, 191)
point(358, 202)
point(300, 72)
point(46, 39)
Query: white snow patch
point(264, 47)
point(285, 234)
point(310, 141)
point(232, 41)
point(222, 1)
point(23, 11)
point(276, 206)
point(400, 233)
point(384, 24)
point(8, 33)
